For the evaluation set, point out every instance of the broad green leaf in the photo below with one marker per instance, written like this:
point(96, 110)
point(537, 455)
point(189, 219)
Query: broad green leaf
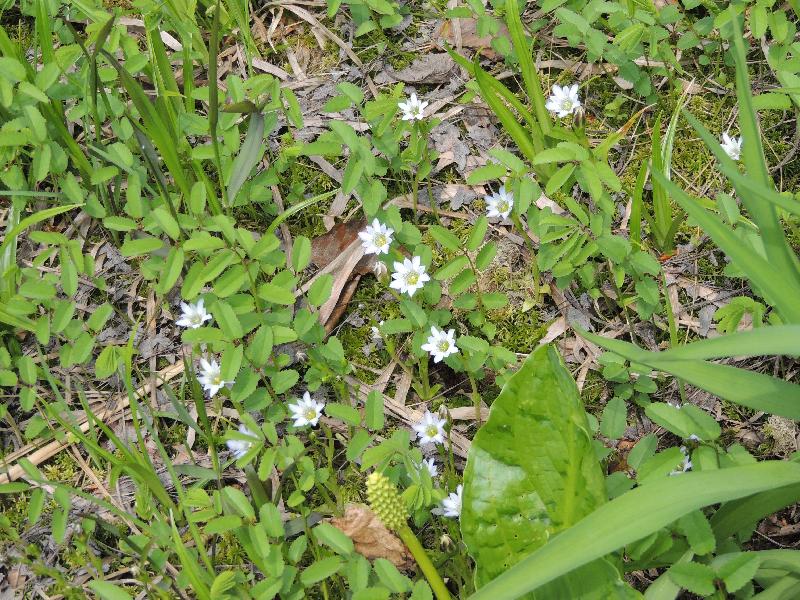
point(320, 570)
point(106, 590)
point(610, 526)
point(531, 470)
point(695, 577)
point(334, 538)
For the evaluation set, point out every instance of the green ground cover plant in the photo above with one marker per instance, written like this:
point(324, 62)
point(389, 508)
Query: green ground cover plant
point(371, 300)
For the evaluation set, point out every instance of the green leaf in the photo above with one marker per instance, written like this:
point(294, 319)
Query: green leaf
point(390, 577)
point(485, 173)
point(531, 470)
point(248, 157)
point(695, 577)
point(614, 419)
point(740, 569)
point(227, 320)
point(374, 410)
point(446, 238)
point(143, 245)
point(685, 421)
point(478, 233)
point(329, 535)
point(697, 530)
point(276, 294)
point(747, 388)
point(108, 591)
point(320, 570)
point(320, 290)
point(301, 253)
point(452, 268)
point(610, 527)
point(346, 413)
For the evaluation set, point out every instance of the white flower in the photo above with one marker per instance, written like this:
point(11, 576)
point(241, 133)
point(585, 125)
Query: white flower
point(307, 411)
point(376, 238)
point(563, 100)
point(431, 429)
point(732, 146)
point(211, 377)
point(193, 315)
point(451, 506)
point(440, 344)
point(376, 332)
point(240, 447)
point(499, 204)
point(429, 464)
point(409, 276)
point(413, 108)
point(686, 465)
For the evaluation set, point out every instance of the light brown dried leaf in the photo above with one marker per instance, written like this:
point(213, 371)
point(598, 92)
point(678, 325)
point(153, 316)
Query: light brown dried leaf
point(371, 537)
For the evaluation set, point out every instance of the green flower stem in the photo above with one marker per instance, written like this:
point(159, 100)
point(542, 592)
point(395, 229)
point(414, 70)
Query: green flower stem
point(476, 399)
point(534, 262)
point(424, 562)
point(423, 375)
point(257, 491)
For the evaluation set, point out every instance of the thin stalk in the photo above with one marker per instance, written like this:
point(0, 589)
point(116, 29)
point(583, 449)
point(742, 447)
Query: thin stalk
point(534, 263)
point(476, 399)
point(423, 375)
point(213, 100)
point(424, 562)
point(673, 334)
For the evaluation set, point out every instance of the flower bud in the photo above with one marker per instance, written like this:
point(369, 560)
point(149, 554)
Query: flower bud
point(385, 501)
point(579, 121)
point(381, 271)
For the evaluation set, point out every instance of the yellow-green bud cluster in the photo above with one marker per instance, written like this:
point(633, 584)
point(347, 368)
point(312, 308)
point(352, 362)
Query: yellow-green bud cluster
point(386, 501)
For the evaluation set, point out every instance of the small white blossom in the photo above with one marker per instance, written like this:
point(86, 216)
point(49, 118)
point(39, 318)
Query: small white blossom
point(500, 203)
point(376, 238)
point(732, 146)
point(376, 332)
point(431, 429)
point(211, 377)
point(563, 100)
point(441, 344)
point(306, 411)
point(686, 465)
point(193, 315)
point(413, 108)
point(240, 447)
point(430, 465)
point(451, 506)
point(409, 276)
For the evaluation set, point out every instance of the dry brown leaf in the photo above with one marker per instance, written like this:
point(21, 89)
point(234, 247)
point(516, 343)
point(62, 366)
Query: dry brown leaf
point(371, 537)
point(469, 36)
point(429, 68)
point(329, 246)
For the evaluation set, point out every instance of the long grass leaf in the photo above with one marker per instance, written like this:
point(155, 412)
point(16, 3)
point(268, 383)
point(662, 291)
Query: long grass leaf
point(747, 388)
point(780, 290)
point(611, 526)
point(530, 76)
point(249, 155)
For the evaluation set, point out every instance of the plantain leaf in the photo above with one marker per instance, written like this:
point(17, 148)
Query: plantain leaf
point(531, 470)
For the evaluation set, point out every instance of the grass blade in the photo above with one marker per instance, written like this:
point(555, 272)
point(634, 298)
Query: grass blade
point(611, 527)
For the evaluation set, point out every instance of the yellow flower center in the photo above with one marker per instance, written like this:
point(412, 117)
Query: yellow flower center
point(444, 346)
point(412, 278)
point(380, 240)
point(566, 104)
point(432, 431)
point(502, 206)
point(311, 414)
point(217, 380)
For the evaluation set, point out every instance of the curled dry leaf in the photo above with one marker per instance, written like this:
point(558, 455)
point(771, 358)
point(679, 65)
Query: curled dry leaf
point(371, 537)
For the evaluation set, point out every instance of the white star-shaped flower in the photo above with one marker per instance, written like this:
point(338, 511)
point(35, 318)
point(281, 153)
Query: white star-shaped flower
point(451, 506)
point(193, 315)
point(431, 429)
point(413, 108)
point(686, 465)
point(409, 276)
point(564, 100)
point(441, 344)
point(376, 332)
point(376, 238)
point(211, 377)
point(732, 146)
point(499, 204)
point(430, 465)
point(306, 411)
point(240, 447)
